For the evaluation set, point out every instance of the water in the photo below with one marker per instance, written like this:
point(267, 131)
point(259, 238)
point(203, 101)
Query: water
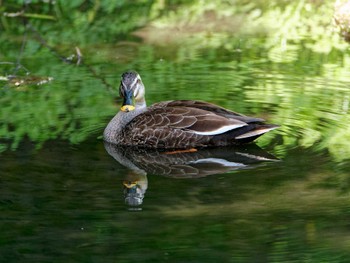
point(67, 196)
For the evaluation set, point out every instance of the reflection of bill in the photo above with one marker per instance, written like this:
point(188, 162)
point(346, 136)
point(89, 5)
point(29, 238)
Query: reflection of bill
point(181, 164)
point(135, 186)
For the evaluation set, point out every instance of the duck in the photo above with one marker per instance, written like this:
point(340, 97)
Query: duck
point(177, 124)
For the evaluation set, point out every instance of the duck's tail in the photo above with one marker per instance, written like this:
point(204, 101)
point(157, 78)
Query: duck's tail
point(253, 132)
point(242, 135)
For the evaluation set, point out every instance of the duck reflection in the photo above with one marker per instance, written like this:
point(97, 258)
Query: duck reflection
point(194, 163)
point(135, 185)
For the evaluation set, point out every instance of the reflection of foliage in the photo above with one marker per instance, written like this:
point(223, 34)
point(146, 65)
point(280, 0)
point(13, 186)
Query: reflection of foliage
point(59, 110)
point(342, 18)
point(295, 70)
point(88, 21)
point(285, 24)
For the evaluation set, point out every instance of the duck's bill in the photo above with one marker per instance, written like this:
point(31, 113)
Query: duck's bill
point(127, 108)
point(129, 184)
point(127, 103)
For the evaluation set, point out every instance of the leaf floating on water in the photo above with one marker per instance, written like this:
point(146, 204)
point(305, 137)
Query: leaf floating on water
point(28, 80)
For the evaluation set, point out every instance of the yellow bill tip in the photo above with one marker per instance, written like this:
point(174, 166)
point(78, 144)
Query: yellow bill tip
point(127, 108)
point(129, 185)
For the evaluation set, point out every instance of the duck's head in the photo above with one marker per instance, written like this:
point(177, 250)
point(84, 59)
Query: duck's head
point(132, 91)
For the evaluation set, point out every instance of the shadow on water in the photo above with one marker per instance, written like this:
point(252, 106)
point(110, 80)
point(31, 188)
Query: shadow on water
point(181, 164)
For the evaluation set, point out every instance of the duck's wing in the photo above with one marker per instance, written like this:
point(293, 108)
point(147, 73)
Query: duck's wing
point(190, 119)
point(173, 125)
point(220, 111)
point(177, 127)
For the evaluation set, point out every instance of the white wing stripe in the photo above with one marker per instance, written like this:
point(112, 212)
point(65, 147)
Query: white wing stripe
point(221, 129)
point(223, 162)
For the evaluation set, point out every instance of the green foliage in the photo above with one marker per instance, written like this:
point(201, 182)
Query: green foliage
point(89, 21)
point(278, 59)
point(51, 111)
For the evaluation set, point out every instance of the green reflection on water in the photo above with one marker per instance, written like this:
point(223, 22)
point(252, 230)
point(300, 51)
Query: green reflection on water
point(311, 106)
point(281, 62)
point(305, 90)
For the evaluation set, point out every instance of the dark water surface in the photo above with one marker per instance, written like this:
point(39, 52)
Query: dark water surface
point(65, 197)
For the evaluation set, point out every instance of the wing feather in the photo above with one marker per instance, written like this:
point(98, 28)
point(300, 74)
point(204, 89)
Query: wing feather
point(213, 125)
point(220, 111)
point(199, 121)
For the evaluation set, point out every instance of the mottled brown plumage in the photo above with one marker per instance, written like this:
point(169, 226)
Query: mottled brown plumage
point(177, 124)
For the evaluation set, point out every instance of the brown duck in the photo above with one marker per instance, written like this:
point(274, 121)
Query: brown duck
point(177, 124)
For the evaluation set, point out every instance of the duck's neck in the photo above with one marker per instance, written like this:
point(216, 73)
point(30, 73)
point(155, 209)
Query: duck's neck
point(120, 120)
point(140, 104)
